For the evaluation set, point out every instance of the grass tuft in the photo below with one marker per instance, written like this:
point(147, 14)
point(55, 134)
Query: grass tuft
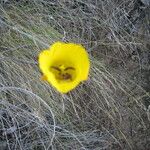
point(111, 110)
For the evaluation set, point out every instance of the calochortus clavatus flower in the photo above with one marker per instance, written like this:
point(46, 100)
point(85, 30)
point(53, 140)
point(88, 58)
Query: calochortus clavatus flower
point(64, 65)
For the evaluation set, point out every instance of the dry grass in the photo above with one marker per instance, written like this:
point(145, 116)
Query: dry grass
point(110, 111)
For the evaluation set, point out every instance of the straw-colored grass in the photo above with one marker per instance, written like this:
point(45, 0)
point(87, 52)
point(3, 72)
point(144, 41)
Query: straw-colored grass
point(110, 111)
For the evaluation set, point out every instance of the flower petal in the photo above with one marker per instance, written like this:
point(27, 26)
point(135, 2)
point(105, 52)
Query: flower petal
point(45, 60)
point(73, 53)
point(65, 65)
point(63, 86)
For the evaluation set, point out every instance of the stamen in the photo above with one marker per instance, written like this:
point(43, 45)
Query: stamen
point(63, 72)
point(66, 76)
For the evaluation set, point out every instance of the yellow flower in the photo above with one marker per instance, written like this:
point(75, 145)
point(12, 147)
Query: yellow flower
point(64, 65)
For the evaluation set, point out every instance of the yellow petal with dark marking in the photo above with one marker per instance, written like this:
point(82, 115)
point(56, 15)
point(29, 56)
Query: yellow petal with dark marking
point(64, 65)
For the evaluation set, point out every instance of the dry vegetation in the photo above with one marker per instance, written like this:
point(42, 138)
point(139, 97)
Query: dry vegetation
point(110, 111)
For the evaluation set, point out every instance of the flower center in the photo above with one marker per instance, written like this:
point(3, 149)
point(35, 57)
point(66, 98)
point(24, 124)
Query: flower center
point(63, 72)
